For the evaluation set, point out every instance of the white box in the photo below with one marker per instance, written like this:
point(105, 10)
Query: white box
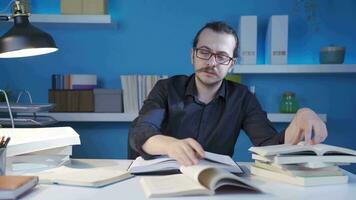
point(248, 40)
point(277, 40)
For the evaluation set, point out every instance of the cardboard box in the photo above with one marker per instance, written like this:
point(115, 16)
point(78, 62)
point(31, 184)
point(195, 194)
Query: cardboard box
point(84, 7)
point(71, 7)
point(94, 7)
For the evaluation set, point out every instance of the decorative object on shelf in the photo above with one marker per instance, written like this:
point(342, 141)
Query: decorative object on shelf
point(234, 78)
point(72, 100)
point(332, 55)
point(289, 103)
point(24, 39)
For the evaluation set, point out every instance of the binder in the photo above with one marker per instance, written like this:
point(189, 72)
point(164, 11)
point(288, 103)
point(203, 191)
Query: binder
point(277, 40)
point(248, 40)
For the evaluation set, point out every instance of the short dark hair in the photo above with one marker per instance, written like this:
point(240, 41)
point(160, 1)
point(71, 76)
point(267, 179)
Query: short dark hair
point(219, 27)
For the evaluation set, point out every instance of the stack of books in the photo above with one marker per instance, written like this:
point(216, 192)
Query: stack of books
point(305, 165)
point(136, 88)
point(32, 149)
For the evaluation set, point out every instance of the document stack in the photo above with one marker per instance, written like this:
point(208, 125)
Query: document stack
point(31, 149)
point(304, 165)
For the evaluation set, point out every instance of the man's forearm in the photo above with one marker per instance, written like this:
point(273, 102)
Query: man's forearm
point(157, 144)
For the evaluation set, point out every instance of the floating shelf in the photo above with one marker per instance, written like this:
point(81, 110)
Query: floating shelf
point(68, 19)
point(129, 117)
point(297, 69)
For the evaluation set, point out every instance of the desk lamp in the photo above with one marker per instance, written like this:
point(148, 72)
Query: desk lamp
point(23, 40)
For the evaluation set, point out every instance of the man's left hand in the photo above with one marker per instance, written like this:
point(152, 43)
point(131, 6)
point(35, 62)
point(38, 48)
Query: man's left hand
point(303, 124)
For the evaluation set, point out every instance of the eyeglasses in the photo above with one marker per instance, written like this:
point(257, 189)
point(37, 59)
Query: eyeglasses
point(219, 58)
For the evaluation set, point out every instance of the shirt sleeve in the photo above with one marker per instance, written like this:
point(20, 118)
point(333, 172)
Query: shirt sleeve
point(257, 126)
point(150, 119)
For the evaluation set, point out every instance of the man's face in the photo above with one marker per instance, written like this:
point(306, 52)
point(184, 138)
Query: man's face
point(210, 72)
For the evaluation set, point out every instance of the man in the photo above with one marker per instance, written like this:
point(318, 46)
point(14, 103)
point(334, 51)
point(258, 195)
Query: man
point(184, 116)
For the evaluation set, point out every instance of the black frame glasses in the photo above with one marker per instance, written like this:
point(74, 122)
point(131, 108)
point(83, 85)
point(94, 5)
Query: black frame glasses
point(206, 54)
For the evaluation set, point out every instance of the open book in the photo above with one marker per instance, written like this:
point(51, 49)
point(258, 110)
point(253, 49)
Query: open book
point(194, 180)
point(89, 177)
point(166, 164)
point(294, 154)
point(301, 149)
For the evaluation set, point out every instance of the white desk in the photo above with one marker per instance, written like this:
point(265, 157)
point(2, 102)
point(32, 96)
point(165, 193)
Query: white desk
point(131, 190)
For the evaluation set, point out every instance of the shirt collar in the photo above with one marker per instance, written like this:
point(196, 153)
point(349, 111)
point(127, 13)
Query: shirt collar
point(191, 88)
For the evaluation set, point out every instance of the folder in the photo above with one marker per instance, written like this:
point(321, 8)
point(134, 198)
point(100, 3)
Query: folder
point(277, 40)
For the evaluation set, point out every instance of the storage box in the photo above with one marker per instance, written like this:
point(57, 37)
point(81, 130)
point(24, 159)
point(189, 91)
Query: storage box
point(108, 100)
point(71, 7)
point(94, 7)
point(84, 7)
point(72, 100)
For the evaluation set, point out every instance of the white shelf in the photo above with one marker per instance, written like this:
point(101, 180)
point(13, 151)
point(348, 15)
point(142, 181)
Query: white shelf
point(301, 69)
point(83, 19)
point(129, 117)
point(283, 117)
point(67, 19)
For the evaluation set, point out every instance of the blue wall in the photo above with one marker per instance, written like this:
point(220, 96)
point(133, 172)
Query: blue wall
point(154, 37)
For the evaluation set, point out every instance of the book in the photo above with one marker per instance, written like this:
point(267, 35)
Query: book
point(248, 40)
point(169, 165)
point(194, 180)
point(313, 154)
point(311, 160)
point(298, 180)
point(298, 170)
point(88, 177)
point(302, 149)
point(28, 140)
point(12, 187)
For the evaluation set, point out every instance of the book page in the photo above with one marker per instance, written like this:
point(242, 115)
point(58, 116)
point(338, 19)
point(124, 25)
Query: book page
point(282, 149)
point(94, 177)
point(325, 149)
point(171, 185)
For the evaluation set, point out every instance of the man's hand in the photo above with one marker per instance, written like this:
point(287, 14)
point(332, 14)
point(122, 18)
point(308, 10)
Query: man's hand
point(186, 151)
point(303, 124)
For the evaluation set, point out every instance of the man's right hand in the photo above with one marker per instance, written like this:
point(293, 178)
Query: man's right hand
point(186, 151)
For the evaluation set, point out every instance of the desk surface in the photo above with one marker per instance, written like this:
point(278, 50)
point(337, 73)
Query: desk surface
point(131, 189)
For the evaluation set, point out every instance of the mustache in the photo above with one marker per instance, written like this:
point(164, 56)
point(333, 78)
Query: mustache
point(206, 69)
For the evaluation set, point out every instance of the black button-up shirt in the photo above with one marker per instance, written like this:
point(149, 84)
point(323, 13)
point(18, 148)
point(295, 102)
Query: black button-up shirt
point(172, 108)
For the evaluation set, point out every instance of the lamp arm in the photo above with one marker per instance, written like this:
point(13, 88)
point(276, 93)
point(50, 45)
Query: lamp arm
point(9, 108)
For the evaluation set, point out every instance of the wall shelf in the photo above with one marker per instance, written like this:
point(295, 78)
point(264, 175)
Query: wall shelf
point(128, 117)
point(296, 69)
point(68, 19)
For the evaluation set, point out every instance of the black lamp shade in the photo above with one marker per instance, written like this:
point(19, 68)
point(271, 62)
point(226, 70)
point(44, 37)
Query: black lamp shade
point(24, 39)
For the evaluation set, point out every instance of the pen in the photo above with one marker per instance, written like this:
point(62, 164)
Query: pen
point(7, 141)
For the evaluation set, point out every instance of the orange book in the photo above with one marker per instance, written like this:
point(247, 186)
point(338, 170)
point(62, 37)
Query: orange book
point(11, 187)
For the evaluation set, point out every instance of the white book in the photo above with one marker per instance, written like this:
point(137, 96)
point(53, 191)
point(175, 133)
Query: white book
point(296, 180)
point(297, 170)
point(301, 149)
point(194, 180)
point(312, 160)
point(89, 177)
point(277, 40)
point(248, 40)
point(28, 140)
point(66, 150)
point(164, 163)
point(125, 92)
